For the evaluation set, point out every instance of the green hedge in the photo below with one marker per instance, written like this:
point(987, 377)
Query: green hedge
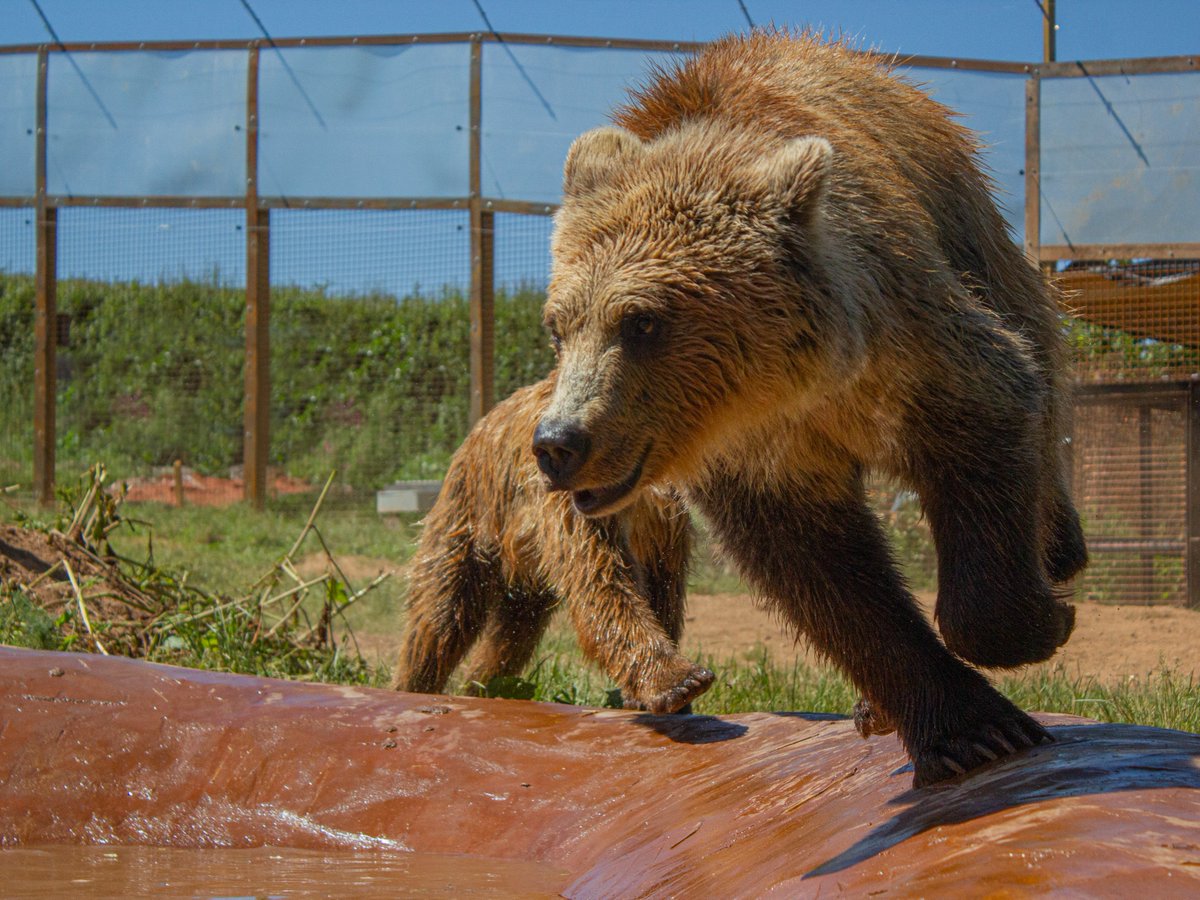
point(373, 385)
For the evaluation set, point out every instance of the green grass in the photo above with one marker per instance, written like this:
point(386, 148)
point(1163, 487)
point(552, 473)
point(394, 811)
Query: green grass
point(755, 682)
point(204, 561)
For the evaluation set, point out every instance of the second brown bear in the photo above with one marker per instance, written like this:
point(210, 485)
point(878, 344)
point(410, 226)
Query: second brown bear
point(499, 553)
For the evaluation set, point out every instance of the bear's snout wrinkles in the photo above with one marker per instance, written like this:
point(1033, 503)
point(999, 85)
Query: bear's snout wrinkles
point(561, 447)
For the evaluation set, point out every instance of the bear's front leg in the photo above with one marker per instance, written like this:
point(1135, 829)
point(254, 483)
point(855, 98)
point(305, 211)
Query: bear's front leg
point(996, 606)
point(617, 629)
point(619, 626)
point(815, 551)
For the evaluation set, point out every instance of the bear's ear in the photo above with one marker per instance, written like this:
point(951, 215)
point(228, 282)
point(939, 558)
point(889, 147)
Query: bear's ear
point(796, 173)
point(595, 155)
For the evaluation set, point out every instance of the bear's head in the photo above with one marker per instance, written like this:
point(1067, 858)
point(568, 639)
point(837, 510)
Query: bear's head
point(689, 300)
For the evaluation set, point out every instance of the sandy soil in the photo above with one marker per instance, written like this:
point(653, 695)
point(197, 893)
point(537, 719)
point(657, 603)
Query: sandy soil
point(1110, 642)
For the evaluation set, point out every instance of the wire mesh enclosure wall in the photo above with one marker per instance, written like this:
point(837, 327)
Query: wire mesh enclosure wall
point(1130, 476)
point(150, 343)
point(522, 272)
point(1133, 321)
point(273, 260)
point(369, 344)
point(17, 303)
point(1135, 338)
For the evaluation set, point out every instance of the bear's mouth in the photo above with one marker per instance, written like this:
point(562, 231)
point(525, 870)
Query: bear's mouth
point(596, 501)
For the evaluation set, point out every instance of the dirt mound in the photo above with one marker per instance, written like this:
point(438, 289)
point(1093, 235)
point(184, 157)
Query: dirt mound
point(69, 580)
point(204, 490)
point(65, 587)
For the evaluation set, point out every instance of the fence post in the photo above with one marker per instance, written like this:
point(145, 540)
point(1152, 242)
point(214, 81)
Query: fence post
point(257, 396)
point(1033, 164)
point(482, 299)
point(1049, 31)
point(1192, 513)
point(45, 327)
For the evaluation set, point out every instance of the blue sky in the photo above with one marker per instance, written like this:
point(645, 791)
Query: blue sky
point(360, 134)
point(1000, 29)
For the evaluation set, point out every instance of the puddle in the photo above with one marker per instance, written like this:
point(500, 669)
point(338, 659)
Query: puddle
point(83, 872)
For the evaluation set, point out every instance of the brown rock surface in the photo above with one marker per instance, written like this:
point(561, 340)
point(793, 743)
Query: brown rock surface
point(112, 751)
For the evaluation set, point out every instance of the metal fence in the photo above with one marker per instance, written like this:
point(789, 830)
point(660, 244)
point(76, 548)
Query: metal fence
point(270, 260)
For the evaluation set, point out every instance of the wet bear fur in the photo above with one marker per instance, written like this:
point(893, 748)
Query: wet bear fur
point(498, 554)
point(782, 270)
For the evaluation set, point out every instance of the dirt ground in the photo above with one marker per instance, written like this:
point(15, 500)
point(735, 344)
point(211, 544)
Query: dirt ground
point(204, 490)
point(1111, 643)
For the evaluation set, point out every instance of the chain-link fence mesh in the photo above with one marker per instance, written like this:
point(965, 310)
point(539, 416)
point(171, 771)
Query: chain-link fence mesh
point(1130, 477)
point(151, 345)
point(17, 251)
point(1135, 335)
point(369, 308)
point(1134, 321)
point(370, 340)
point(522, 270)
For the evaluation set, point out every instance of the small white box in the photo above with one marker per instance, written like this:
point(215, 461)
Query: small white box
point(407, 497)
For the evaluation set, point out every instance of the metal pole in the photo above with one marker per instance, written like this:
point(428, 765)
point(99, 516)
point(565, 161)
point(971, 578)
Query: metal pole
point(1033, 153)
point(257, 403)
point(482, 299)
point(1146, 499)
point(1049, 32)
point(1192, 474)
point(45, 328)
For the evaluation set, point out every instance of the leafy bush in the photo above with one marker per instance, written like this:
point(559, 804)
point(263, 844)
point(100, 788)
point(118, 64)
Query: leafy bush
point(372, 385)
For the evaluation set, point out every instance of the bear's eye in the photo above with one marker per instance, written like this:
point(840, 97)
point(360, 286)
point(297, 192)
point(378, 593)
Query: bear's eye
point(639, 328)
point(555, 338)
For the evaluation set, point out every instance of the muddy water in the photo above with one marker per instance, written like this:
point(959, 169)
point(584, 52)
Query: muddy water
point(83, 873)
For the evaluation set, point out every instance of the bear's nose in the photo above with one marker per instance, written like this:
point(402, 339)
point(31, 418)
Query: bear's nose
point(561, 447)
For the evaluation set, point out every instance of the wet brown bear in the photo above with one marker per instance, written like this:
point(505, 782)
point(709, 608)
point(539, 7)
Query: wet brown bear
point(498, 553)
point(782, 270)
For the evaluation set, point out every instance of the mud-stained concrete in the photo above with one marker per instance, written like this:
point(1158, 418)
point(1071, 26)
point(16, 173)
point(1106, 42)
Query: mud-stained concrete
point(593, 803)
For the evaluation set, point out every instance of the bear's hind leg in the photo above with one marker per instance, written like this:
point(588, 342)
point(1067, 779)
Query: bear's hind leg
point(448, 596)
point(514, 627)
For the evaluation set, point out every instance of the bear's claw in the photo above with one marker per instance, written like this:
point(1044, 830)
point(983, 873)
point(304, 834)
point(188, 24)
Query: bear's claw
point(952, 756)
point(960, 754)
point(695, 682)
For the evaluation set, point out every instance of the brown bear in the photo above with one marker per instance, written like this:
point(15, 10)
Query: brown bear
point(782, 270)
point(498, 554)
